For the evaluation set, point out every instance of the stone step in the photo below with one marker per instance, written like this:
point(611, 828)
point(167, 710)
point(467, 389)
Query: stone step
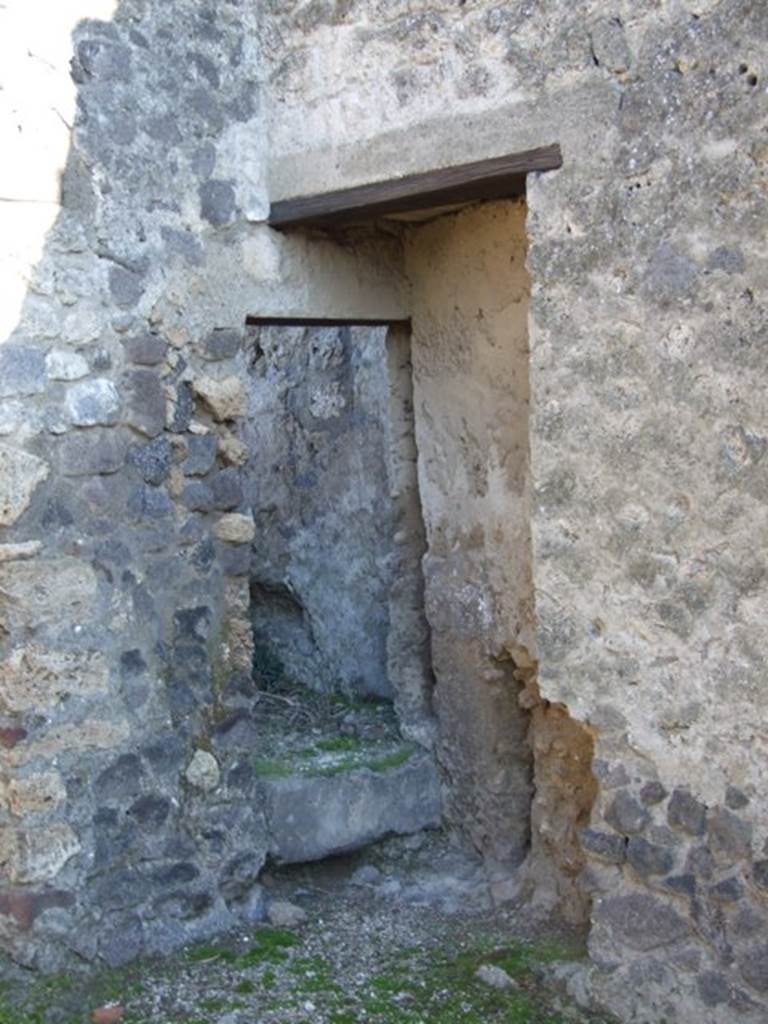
point(312, 817)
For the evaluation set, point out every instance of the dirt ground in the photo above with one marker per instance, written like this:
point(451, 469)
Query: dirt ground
point(395, 935)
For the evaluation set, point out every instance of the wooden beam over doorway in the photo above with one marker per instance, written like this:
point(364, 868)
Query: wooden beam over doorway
point(501, 177)
point(309, 321)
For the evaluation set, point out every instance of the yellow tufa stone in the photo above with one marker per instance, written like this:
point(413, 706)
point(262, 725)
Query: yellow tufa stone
point(235, 528)
point(227, 399)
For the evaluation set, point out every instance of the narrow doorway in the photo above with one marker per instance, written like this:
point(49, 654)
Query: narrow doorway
point(336, 581)
point(391, 497)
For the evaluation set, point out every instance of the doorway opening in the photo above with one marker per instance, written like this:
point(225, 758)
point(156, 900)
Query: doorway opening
point(506, 757)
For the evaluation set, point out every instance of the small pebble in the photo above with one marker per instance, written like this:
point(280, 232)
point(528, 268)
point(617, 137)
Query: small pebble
point(494, 976)
point(283, 914)
point(366, 875)
point(110, 1014)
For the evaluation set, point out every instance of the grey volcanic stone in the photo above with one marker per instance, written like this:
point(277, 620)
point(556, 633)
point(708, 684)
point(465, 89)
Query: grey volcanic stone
point(122, 942)
point(221, 344)
point(198, 497)
point(686, 813)
point(652, 793)
point(217, 202)
point(227, 489)
point(103, 59)
point(22, 371)
point(145, 349)
point(714, 988)
point(234, 559)
point(93, 403)
point(150, 502)
point(145, 402)
point(730, 890)
point(85, 453)
point(735, 798)
point(648, 858)
point(605, 845)
point(754, 967)
point(316, 817)
point(609, 44)
point(729, 837)
point(685, 885)
point(730, 261)
point(626, 814)
point(125, 286)
point(184, 409)
point(760, 873)
point(152, 460)
point(201, 454)
point(641, 921)
point(123, 778)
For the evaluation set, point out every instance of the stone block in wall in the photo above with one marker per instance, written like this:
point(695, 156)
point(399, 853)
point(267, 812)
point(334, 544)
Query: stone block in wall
point(22, 371)
point(152, 460)
point(201, 454)
point(33, 794)
point(145, 349)
point(36, 855)
point(81, 736)
point(145, 402)
point(637, 920)
point(92, 403)
point(58, 592)
point(92, 452)
point(61, 364)
point(221, 344)
point(35, 678)
point(17, 552)
point(20, 473)
point(227, 489)
point(226, 399)
point(235, 528)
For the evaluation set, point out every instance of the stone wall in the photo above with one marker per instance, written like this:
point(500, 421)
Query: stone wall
point(325, 560)
point(470, 353)
point(129, 819)
point(647, 265)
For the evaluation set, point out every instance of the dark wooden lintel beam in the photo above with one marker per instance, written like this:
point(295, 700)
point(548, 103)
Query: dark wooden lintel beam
point(305, 321)
point(497, 178)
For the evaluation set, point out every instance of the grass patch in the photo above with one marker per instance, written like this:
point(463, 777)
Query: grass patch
point(394, 760)
point(272, 769)
point(445, 990)
point(338, 744)
point(331, 757)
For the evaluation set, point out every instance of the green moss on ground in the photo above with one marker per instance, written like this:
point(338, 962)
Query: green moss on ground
point(333, 757)
point(277, 975)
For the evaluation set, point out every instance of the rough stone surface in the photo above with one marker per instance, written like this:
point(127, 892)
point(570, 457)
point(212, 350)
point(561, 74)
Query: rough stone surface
point(92, 403)
point(235, 528)
point(588, 442)
point(203, 771)
point(284, 914)
point(327, 429)
point(312, 818)
point(641, 921)
point(62, 364)
point(20, 474)
point(494, 976)
point(225, 398)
